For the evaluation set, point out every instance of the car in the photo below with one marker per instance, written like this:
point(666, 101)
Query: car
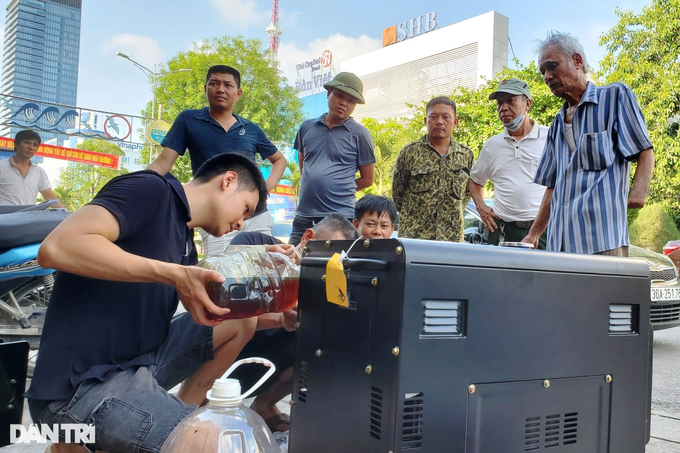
point(665, 284)
point(281, 230)
point(672, 250)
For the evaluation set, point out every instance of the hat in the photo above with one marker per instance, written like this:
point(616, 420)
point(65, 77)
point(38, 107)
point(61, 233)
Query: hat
point(348, 83)
point(511, 86)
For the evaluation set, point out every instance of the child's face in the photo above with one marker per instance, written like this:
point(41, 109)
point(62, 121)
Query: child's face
point(375, 226)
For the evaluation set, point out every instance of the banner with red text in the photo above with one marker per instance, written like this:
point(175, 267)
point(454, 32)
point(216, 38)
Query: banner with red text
point(73, 155)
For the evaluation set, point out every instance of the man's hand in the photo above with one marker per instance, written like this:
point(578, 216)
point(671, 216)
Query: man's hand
point(285, 249)
point(289, 318)
point(190, 283)
point(488, 217)
point(635, 202)
point(531, 239)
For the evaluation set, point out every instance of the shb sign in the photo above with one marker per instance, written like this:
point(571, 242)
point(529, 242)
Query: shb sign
point(410, 28)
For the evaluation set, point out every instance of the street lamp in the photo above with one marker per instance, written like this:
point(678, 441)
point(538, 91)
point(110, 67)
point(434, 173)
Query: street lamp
point(152, 76)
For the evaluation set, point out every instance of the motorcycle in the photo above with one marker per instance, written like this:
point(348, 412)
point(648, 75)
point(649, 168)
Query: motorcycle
point(25, 287)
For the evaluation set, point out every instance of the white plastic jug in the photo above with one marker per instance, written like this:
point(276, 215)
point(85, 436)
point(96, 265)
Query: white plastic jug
point(224, 425)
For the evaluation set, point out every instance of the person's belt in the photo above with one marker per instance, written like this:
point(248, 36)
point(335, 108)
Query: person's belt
point(522, 224)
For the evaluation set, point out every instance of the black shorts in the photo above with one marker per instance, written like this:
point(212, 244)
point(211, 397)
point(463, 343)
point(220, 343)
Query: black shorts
point(275, 345)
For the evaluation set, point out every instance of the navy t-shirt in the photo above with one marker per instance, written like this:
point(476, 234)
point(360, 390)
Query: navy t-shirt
point(92, 326)
point(204, 137)
point(254, 238)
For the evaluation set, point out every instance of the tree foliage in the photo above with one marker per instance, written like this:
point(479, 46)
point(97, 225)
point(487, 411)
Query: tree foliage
point(477, 121)
point(643, 52)
point(477, 117)
point(266, 100)
point(79, 183)
point(389, 137)
point(653, 228)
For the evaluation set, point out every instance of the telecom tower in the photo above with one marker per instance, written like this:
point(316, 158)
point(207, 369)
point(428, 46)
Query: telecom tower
point(274, 31)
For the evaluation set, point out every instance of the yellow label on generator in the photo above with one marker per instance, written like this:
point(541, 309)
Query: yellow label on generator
point(336, 282)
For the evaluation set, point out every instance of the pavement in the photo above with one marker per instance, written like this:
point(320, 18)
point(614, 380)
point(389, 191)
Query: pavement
point(665, 419)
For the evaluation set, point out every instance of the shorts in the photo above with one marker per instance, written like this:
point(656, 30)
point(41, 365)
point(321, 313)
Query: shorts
point(132, 410)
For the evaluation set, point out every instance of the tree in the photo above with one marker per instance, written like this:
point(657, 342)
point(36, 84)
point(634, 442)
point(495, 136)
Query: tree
point(389, 137)
point(653, 228)
point(477, 117)
point(643, 52)
point(266, 100)
point(79, 183)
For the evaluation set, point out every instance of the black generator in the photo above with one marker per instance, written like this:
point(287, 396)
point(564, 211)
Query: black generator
point(459, 348)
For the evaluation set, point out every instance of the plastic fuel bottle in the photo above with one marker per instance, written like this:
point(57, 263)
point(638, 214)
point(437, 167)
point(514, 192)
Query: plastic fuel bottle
point(256, 282)
point(224, 425)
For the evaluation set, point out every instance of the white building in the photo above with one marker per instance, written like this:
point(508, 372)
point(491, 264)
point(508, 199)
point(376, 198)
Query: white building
point(430, 64)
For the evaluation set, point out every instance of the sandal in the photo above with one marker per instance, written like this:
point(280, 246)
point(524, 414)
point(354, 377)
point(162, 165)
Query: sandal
point(276, 420)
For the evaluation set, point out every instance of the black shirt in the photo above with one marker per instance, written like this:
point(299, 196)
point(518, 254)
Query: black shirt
point(92, 326)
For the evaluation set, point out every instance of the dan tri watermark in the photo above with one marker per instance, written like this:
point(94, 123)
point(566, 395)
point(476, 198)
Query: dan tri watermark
point(71, 433)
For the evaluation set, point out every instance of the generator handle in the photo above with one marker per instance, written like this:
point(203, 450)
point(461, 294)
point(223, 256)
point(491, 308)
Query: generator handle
point(348, 263)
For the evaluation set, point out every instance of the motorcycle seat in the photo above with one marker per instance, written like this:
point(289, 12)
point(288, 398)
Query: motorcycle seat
point(22, 228)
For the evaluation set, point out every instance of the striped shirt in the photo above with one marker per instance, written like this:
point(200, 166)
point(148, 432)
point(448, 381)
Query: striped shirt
point(588, 209)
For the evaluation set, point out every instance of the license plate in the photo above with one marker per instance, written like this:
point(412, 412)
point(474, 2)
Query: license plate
point(665, 294)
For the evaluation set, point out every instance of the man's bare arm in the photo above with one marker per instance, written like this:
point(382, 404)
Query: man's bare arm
point(278, 168)
point(366, 176)
point(643, 175)
point(83, 244)
point(164, 162)
point(48, 194)
point(541, 222)
point(485, 212)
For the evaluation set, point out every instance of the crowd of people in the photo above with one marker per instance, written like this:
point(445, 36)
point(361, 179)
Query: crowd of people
point(111, 347)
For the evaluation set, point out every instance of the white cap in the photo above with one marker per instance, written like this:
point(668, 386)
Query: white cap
point(225, 390)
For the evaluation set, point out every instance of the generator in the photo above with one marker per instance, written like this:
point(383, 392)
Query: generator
point(459, 348)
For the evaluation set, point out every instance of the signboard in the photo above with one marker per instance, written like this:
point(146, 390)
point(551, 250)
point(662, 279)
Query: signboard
point(73, 155)
point(313, 74)
point(410, 28)
point(18, 112)
point(283, 189)
point(156, 131)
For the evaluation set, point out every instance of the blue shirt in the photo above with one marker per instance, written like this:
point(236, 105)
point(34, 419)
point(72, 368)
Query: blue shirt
point(588, 209)
point(92, 326)
point(332, 158)
point(204, 137)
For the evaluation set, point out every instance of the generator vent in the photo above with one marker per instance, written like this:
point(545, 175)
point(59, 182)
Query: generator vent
point(442, 318)
point(302, 388)
point(376, 412)
point(557, 430)
point(622, 319)
point(412, 422)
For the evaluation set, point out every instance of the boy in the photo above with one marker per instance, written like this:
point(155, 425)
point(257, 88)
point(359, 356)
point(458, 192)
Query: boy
point(374, 217)
point(111, 348)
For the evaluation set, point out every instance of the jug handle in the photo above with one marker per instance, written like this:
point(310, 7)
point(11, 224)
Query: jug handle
point(265, 362)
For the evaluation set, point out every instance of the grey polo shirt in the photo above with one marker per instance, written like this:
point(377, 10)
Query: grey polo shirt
point(332, 158)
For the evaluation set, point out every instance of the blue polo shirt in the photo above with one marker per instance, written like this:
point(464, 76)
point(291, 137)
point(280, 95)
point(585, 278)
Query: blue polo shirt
point(94, 327)
point(204, 137)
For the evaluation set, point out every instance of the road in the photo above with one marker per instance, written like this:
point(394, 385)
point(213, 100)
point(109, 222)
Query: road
point(666, 377)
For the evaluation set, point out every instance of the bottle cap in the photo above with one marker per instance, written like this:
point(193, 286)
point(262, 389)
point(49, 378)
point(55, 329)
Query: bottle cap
point(226, 390)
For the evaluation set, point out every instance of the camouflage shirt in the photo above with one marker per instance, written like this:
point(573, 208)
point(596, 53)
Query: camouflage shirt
point(431, 191)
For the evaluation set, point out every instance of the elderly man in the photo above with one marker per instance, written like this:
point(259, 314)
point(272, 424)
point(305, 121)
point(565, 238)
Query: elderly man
point(586, 162)
point(430, 184)
point(509, 160)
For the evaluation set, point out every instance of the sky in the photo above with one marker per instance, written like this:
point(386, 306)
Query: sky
point(153, 31)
